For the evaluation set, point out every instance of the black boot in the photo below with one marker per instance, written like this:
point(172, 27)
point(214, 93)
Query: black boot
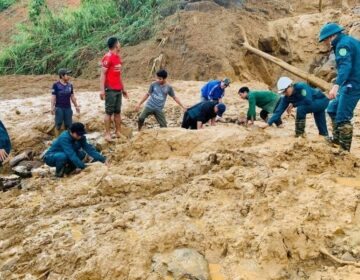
point(300, 127)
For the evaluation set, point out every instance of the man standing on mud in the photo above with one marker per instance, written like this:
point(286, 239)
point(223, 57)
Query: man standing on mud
point(111, 87)
point(5, 144)
point(157, 96)
point(346, 90)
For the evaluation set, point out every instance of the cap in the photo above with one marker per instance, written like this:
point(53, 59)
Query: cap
point(78, 128)
point(227, 81)
point(221, 109)
point(63, 71)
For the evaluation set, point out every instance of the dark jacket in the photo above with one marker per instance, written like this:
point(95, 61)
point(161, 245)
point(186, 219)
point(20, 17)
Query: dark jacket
point(347, 54)
point(202, 112)
point(68, 145)
point(5, 142)
point(303, 95)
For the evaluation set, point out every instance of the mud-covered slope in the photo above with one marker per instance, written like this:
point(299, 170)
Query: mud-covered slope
point(256, 204)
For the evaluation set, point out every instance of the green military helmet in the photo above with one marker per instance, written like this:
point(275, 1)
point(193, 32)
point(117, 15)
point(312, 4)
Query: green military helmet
point(330, 29)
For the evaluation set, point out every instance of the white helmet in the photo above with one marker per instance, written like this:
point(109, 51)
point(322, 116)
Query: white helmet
point(283, 83)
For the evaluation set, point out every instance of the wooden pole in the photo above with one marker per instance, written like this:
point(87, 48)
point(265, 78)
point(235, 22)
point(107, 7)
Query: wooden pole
point(310, 78)
point(320, 5)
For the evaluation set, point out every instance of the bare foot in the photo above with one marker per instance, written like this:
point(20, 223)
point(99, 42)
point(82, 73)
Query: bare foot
point(108, 138)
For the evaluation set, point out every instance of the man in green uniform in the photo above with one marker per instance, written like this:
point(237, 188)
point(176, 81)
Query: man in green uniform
point(268, 101)
point(346, 89)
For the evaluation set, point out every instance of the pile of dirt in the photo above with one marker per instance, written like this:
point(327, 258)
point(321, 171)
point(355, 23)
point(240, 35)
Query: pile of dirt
point(251, 204)
point(200, 45)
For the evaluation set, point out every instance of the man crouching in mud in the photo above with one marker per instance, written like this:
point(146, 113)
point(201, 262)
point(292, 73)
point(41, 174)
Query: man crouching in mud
point(5, 144)
point(69, 150)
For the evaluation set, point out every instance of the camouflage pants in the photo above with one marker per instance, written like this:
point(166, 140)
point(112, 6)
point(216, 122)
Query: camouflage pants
point(341, 111)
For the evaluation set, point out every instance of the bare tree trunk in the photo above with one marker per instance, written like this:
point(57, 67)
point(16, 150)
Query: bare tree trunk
point(312, 79)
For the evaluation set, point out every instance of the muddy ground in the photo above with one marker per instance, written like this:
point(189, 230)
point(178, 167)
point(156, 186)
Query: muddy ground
point(256, 204)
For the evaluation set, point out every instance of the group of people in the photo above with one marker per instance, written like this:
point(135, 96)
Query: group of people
point(70, 148)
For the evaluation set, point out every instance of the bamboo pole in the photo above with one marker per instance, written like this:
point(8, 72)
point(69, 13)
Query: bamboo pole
point(310, 78)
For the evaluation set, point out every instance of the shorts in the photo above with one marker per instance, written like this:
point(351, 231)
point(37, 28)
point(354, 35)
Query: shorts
point(63, 116)
point(113, 99)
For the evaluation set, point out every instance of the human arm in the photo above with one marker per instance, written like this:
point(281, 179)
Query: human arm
point(53, 101)
point(74, 101)
point(91, 151)
point(251, 114)
point(213, 122)
point(199, 125)
point(102, 82)
point(68, 149)
point(344, 65)
point(279, 111)
point(142, 100)
point(177, 100)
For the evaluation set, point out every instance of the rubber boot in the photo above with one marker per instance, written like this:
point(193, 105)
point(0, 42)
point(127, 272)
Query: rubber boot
point(335, 138)
point(300, 127)
point(345, 136)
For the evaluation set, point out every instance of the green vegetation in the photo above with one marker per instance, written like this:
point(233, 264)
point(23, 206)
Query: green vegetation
point(4, 4)
point(73, 37)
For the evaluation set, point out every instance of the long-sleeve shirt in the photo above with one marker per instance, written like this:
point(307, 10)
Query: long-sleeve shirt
point(266, 100)
point(5, 142)
point(347, 54)
point(68, 145)
point(212, 90)
point(202, 112)
point(303, 95)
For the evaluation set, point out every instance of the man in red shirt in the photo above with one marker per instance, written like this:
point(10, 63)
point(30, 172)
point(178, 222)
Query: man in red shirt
point(111, 87)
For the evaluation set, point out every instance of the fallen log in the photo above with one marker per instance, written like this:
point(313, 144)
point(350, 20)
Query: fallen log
point(310, 78)
point(27, 155)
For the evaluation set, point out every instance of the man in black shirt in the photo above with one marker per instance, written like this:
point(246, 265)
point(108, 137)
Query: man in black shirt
point(199, 114)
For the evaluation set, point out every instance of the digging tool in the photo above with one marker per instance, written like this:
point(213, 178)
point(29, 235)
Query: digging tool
point(310, 78)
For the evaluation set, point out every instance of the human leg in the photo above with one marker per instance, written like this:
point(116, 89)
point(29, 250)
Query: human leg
point(144, 114)
point(160, 117)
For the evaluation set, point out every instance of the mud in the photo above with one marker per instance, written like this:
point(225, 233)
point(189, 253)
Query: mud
point(256, 204)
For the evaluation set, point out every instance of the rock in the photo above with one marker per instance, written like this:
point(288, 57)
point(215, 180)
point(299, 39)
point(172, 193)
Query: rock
point(181, 264)
point(127, 131)
point(41, 172)
point(220, 182)
point(26, 155)
point(8, 182)
point(25, 167)
point(348, 257)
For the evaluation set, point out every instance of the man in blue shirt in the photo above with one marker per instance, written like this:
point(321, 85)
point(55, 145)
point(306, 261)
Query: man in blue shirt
point(214, 90)
point(346, 90)
point(307, 100)
point(5, 144)
point(68, 151)
point(62, 94)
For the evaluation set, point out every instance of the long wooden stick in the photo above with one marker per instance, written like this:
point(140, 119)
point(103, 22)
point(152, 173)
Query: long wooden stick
point(320, 5)
point(335, 259)
point(310, 78)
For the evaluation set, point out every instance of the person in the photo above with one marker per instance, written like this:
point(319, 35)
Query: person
point(62, 94)
point(157, 96)
point(346, 89)
point(306, 99)
point(199, 114)
point(214, 90)
point(268, 101)
point(68, 151)
point(5, 144)
point(112, 87)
